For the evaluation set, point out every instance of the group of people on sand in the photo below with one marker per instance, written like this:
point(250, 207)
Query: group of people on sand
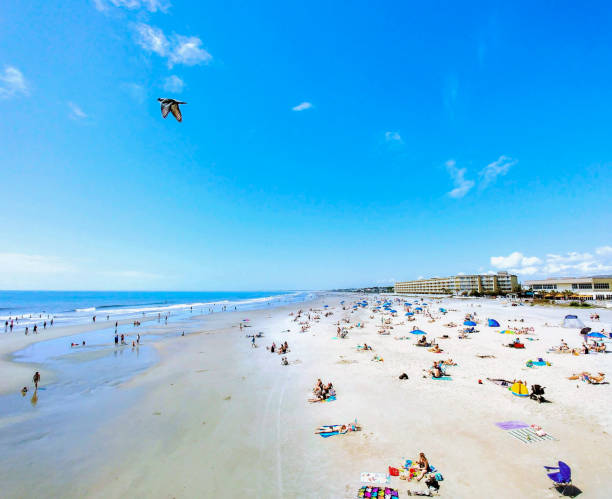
point(584, 349)
point(437, 369)
point(280, 350)
point(322, 392)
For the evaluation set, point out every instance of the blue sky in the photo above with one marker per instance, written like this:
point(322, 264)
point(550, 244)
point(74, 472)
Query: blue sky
point(325, 144)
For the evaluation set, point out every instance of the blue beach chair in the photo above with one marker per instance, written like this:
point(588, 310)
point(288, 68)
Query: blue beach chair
point(562, 478)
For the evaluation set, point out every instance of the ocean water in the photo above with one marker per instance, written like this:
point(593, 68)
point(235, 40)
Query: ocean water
point(68, 307)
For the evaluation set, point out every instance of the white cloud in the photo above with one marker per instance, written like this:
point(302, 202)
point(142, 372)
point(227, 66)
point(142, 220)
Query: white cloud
point(12, 82)
point(150, 5)
point(174, 84)
point(177, 49)
point(152, 39)
point(462, 185)
point(76, 113)
point(393, 137)
point(500, 166)
point(302, 107)
point(571, 263)
point(188, 50)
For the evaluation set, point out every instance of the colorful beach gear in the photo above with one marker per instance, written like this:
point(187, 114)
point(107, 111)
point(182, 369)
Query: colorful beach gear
point(519, 389)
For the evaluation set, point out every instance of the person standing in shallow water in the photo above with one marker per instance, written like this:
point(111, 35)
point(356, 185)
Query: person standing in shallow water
point(36, 379)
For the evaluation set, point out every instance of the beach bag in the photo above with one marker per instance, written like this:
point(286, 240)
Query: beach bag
point(393, 471)
point(439, 477)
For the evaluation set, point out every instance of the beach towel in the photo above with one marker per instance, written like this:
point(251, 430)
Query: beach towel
point(374, 478)
point(511, 425)
point(330, 399)
point(329, 434)
point(529, 436)
point(444, 378)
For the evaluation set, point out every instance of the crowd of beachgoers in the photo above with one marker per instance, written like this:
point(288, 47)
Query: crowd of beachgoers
point(405, 319)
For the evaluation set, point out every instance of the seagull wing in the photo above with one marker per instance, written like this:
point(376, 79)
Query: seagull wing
point(176, 112)
point(165, 109)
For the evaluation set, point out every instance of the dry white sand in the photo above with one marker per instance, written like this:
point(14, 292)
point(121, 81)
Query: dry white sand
point(218, 418)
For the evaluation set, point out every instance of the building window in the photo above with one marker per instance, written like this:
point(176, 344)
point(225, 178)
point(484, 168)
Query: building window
point(585, 286)
point(601, 285)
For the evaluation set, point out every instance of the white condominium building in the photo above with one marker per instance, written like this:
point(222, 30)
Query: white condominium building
point(502, 282)
point(597, 287)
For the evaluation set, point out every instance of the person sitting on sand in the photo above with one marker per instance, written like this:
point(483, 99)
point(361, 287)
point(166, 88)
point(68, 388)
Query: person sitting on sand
point(24, 390)
point(435, 371)
point(435, 348)
point(284, 361)
point(423, 465)
point(422, 340)
point(366, 347)
point(563, 346)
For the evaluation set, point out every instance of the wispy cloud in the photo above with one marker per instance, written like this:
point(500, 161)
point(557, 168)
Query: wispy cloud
point(573, 263)
point(176, 49)
point(500, 166)
point(12, 82)
point(393, 137)
point(174, 84)
point(302, 107)
point(76, 113)
point(150, 5)
point(462, 185)
point(136, 91)
point(31, 264)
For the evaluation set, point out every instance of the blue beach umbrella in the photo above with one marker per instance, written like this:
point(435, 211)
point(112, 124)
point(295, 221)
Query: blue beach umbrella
point(596, 335)
point(417, 331)
point(469, 323)
point(419, 309)
point(443, 310)
point(409, 314)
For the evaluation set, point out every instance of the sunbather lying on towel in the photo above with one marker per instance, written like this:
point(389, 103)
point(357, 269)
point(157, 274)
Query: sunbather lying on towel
point(435, 348)
point(341, 429)
point(589, 378)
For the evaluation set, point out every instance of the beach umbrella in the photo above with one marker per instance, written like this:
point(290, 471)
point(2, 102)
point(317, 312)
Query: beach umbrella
point(507, 331)
point(393, 311)
point(596, 335)
point(470, 323)
point(409, 314)
point(417, 331)
point(419, 309)
point(443, 310)
point(585, 330)
point(326, 306)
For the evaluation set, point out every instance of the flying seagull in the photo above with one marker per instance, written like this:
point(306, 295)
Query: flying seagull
point(171, 105)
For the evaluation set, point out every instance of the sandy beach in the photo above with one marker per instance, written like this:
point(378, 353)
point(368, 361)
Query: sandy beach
point(215, 417)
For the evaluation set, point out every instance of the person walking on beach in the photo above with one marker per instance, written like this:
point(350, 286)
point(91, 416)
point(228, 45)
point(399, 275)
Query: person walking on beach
point(138, 339)
point(36, 379)
point(116, 339)
point(26, 331)
point(253, 341)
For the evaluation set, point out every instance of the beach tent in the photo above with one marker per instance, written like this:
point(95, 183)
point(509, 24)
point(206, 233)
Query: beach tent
point(596, 335)
point(519, 389)
point(469, 323)
point(417, 331)
point(493, 323)
point(572, 321)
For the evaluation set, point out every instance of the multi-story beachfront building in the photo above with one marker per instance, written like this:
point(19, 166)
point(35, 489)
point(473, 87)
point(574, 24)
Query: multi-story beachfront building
point(502, 282)
point(597, 287)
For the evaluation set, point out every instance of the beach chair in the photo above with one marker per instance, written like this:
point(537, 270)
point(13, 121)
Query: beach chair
point(562, 478)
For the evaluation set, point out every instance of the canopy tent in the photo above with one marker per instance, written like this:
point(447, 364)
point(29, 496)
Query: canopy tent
point(469, 323)
point(493, 323)
point(572, 321)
